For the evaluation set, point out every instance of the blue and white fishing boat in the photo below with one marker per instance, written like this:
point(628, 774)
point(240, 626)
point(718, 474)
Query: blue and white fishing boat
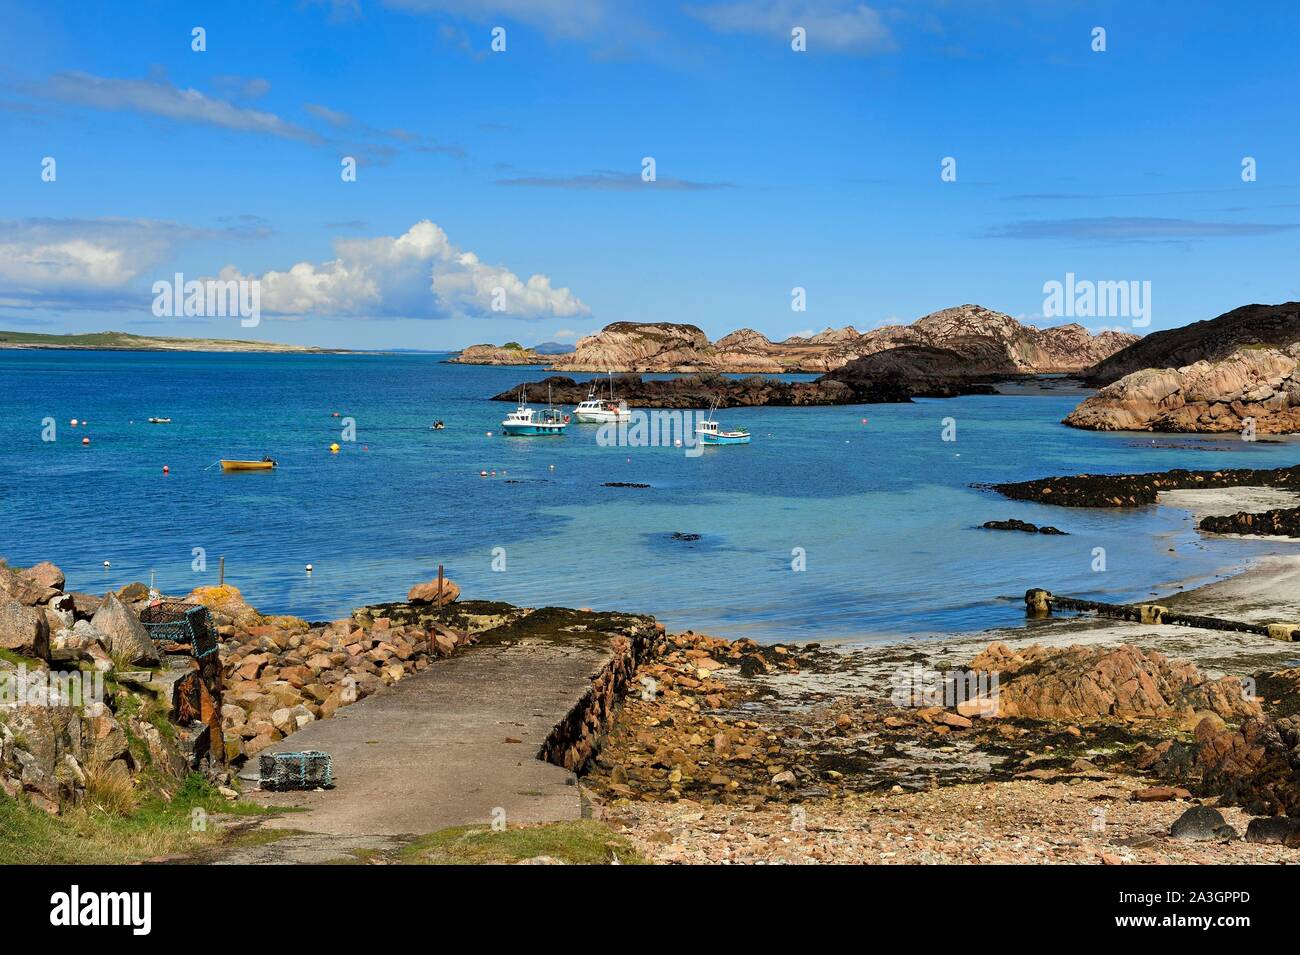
point(708, 432)
point(525, 422)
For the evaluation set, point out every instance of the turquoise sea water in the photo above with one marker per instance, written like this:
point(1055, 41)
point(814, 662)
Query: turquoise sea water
point(882, 511)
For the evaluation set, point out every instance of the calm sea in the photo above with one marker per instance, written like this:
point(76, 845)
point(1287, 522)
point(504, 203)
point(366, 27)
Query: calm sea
point(881, 512)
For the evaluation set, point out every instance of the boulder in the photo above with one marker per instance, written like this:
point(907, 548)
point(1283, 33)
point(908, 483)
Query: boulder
point(1202, 824)
point(23, 589)
point(127, 637)
point(427, 593)
point(227, 601)
point(23, 629)
point(1276, 830)
point(45, 575)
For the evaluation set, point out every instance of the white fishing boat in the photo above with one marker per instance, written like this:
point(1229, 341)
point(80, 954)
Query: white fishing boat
point(601, 410)
point(526, 422)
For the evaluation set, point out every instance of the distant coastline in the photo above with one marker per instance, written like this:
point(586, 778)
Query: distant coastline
point(125, 341)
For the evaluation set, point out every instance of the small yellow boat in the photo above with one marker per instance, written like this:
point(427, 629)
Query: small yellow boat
point(266, 464)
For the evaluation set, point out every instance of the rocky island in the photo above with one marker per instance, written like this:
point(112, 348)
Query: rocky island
point(667, 347)
point(511, 353)
point(895, 375)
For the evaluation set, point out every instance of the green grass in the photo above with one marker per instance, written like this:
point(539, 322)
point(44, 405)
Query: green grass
point(578, 843)
point(17, 659)
point(158, 827)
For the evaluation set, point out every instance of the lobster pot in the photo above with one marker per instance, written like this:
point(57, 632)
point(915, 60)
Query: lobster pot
point(171, 621)
point(309, 769)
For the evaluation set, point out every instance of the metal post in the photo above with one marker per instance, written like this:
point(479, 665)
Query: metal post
point(221, 574)
point(440, 585)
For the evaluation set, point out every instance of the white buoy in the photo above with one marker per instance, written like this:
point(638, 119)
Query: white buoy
point(106, 565)
point(309, 568)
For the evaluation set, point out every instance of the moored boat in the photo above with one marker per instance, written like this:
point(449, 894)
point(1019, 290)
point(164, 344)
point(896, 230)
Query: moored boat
point(710, 432)
point(601, 410)
point(525, 422)
point(266, 464)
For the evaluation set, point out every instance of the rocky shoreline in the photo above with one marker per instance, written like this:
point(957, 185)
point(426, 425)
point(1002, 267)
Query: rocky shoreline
point(1093, 745)
point(1252, 391)
point(1135, 490)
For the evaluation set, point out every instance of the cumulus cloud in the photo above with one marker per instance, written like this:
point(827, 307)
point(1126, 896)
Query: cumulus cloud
point(832, 25)
point(89, 262)
point(419, 274)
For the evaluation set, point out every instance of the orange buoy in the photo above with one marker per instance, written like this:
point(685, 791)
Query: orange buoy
point(85, 441)
point(166, 469)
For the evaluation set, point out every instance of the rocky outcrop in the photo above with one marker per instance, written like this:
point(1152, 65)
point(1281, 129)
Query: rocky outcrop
point(1274, 326)
point(1279, 522)
point(510, 354)
point(968, 330)
point(919, 371)
point(1078, 684)
point(1014, 524)
point(1133, 490)
point(1256, 766)
point(69, 735)
point(1024, 348)
point(694, 391)
point(893, 376)
point(1259, 385)
point(641, 347)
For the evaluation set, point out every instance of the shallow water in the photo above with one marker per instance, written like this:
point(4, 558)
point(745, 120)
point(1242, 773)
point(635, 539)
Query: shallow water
point(882, 511)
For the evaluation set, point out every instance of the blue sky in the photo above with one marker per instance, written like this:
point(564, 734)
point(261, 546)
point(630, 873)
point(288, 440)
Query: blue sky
point(521, 170)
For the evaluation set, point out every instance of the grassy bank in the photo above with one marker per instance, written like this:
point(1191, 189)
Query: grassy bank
point(95, 835)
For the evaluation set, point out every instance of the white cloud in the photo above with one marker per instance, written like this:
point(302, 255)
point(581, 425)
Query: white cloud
point(88, 262)
point(419, 274)
point(833, 25)
point(159, 97)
